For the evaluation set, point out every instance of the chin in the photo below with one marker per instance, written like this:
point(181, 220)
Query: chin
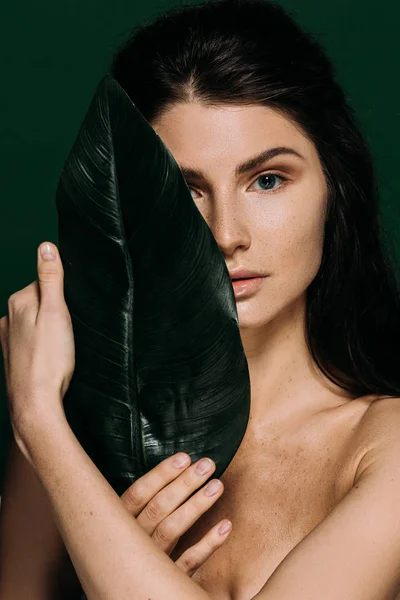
point(257, 312)
point(252, 314)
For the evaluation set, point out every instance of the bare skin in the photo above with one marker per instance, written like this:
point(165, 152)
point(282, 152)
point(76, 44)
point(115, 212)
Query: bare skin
point(314, 489)
point(305, 436)
point(283, 481)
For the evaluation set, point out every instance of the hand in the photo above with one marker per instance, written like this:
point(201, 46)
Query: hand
point(157, 501)
point(37, 341)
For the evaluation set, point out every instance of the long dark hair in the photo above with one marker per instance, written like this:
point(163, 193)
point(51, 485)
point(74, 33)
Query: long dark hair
point(253, 52)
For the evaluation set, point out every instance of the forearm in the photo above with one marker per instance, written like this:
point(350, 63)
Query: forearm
point(112, 555)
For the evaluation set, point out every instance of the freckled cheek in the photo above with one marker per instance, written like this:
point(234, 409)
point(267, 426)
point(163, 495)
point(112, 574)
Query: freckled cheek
point(292, 246)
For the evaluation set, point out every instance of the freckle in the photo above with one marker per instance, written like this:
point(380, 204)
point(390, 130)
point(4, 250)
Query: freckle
point(91, 512)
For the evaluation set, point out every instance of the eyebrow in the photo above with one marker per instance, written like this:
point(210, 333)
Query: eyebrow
point(249, 164)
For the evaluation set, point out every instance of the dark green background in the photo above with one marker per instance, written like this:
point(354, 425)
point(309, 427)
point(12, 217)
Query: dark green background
point(52, 57)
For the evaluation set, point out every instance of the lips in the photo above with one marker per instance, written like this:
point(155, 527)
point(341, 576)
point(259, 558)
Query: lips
point(247, 285)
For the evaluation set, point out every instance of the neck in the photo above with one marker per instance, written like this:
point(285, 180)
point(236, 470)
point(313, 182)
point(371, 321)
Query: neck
point(283, 377)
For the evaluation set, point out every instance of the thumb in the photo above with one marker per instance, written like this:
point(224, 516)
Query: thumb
point(50, 275)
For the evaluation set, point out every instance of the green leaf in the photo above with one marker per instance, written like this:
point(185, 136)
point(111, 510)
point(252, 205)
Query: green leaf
point(160, 366)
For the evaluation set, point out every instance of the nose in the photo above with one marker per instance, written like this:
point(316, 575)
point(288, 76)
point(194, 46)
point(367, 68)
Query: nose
point(229, 225)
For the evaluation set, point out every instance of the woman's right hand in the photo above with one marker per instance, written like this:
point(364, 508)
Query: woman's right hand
point(158, 501)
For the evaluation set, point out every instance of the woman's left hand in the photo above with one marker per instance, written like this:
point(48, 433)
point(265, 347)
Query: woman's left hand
point(37, 343)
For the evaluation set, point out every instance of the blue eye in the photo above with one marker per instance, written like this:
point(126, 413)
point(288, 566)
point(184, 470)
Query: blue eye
point(269, 179)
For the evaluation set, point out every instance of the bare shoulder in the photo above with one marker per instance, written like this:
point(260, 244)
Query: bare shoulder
point(381, 418)
point(379, 432)
point(359, 539)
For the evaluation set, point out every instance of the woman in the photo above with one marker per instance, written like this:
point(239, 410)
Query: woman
point(249, 107)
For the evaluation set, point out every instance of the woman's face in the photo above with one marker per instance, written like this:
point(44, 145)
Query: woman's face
point(267, 216)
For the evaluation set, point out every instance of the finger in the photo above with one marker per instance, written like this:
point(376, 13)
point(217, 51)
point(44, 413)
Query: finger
point(144, 489)
point(197, 555)
point(168, 532)
point(50, 276)
point(172, 496)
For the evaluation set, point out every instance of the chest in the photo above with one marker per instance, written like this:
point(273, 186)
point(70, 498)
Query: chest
point(276, 490)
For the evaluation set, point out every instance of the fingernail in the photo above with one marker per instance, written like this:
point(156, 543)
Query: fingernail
point(213, 487)
point(203, 466)
point(225, 527)
point(47, 252)
point(180, 460)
